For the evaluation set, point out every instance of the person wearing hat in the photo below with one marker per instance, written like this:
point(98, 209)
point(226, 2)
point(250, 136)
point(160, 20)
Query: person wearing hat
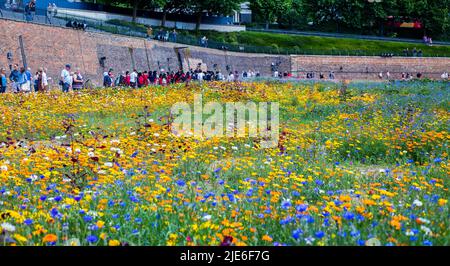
point(65, 78)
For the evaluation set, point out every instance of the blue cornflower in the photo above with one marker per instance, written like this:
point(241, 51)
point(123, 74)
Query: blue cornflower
point(355, 233)
point(320, 234)
point(28, 222)
point(349, 216)
point(180, 182)
point(301, 207)
point(87, 218)
point(286, 204)
point(295, 193)
point(54, 212)
point(427, 243)
point(297, 233)
point(437, 160)
point(309, 219)
point(92, 239)
point(230, 196)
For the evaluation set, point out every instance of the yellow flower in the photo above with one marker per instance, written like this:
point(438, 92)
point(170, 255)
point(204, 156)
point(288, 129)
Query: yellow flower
point(113, 242)
point(442, 202)
point(20, 238)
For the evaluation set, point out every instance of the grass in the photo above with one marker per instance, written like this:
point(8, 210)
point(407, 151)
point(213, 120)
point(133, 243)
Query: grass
point(286, 43)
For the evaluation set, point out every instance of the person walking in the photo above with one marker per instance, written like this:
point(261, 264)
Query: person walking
point(127, 79)
point(174, 35)
point(23, 81)
point(29, 78)
point(65, 78)
point(3, 80)
point(133, 78)
point(14, 78)
point(44, 79)
point(149, 32)
point(37, 81)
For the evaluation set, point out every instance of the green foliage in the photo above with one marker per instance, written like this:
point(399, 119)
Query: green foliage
point(270, 10)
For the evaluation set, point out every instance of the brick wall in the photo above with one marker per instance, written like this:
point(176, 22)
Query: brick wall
point(368, 67)
point(53, 47)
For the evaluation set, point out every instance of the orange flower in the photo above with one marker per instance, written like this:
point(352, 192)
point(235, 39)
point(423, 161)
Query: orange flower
point(395, 223)
point(50, 238)
point(267, 238)
point(100, 224)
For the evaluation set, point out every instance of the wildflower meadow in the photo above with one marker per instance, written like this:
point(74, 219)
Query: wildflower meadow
point(360, 164)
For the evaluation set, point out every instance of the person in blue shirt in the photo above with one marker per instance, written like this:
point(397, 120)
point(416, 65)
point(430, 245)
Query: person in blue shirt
point(3, 80)
point(23, 81)
point(65, 78)
point(14, 77)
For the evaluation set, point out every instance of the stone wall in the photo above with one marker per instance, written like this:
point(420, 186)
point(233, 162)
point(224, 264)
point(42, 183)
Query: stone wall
point(53, 47)
point(368, 67)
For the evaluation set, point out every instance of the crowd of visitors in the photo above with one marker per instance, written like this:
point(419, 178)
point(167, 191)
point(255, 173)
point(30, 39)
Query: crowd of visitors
point(29, 9)
point(414, 52)
point(21, 79)
point(138, 79)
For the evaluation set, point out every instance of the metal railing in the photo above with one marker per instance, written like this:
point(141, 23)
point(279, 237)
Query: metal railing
point(53, 17)
point(343, 35)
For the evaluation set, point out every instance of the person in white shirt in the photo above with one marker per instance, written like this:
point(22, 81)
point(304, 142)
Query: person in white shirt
point(200, 76)
point(230, 77)
point(71, 79)
point(44, 79)
point(133, 78)
point(380, 75)
point(66, 78)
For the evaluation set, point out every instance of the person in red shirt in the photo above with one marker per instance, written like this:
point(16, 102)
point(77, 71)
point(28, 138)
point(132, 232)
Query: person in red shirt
point(127, 78)
point(145, 77)
point(140, 80)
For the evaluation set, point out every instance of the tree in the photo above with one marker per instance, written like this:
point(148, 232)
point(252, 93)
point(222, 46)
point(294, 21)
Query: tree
point(294, 17)
point(370, 15)
point(215, 7)
point(269, 10)
point(136, 4)
point(433, 14)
